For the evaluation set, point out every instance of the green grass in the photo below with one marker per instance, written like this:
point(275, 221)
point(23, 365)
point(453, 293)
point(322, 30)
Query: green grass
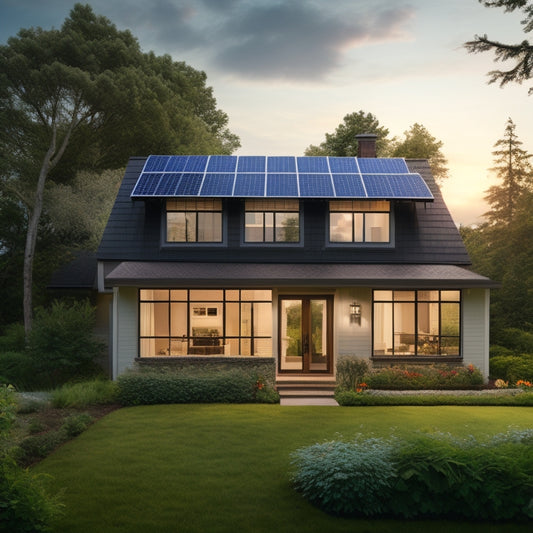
point(226, 468)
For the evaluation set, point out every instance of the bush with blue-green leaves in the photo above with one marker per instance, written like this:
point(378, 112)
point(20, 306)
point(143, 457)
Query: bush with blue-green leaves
point(421, 476)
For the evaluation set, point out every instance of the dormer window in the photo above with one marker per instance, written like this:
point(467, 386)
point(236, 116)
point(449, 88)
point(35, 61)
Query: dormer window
point(272, 221)
point(191, 221)
point(359, 221)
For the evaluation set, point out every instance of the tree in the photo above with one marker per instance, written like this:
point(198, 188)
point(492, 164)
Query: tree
point(420, 144)
point(521, 53)
point(343, 142)
point(86, 96)
point(513, 168)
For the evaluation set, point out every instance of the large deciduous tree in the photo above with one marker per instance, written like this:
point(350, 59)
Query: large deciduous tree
point(343, 142)
point(418, 143)
point(520, 53)
point(85, 96)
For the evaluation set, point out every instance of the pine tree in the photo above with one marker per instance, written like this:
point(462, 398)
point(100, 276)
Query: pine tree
point(513, 168)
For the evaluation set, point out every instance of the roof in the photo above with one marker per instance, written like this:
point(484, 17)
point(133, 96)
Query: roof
point(149, 274)
point(79, 273)
point(424, 233)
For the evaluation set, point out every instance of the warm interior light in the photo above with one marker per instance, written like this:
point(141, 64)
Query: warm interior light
point(355, 311)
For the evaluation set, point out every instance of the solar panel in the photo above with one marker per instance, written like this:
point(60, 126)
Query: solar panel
point(284, 185)
point(343, 165)
point(222, 163)
point(313, 164)
point(281, 164)
point(146, 184)
point(349, 185)
point(218, 185)
point(377, 186)
point(279, 176)
point(252, 163)
point(372, 165)
point(189, 184)
point(317, 185)
point(176, 163)
point(196, 163)
point(249, 185)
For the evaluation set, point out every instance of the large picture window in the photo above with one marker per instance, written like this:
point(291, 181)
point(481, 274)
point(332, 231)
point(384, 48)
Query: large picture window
point(194, 220)
point(359, 221)
point(274, 221)
point(205, 322)
point(417, 323)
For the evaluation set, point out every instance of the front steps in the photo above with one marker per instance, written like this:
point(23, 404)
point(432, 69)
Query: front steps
point(306, 391)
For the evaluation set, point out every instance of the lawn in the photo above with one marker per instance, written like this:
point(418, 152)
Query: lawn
point(225, 468)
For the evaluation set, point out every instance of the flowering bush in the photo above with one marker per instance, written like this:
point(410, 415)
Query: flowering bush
point(524, 384)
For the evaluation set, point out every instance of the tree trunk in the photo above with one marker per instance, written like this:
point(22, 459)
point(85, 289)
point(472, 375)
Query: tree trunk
point(31, 237)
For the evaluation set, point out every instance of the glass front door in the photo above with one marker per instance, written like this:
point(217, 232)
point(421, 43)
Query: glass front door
point(305, 332)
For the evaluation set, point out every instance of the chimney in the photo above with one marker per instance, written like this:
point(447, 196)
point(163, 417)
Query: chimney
point(366, 144)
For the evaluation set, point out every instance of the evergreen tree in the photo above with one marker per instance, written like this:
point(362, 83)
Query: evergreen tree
point(513, 168)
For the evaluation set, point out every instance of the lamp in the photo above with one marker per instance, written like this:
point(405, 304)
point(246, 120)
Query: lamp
point(355, 312)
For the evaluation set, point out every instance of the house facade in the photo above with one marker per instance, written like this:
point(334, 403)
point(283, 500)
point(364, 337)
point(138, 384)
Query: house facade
point(290, 262)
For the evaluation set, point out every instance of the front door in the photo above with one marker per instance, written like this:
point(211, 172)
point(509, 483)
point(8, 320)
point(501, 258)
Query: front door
point(305, 334)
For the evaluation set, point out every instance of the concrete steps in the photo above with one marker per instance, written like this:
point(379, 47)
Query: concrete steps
point(306, 389)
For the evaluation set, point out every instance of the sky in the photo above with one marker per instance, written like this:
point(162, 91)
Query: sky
point(287, 72)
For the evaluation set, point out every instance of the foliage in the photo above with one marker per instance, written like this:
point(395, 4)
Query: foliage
point(74, 425)
point(521, 54)
point(343, 478)
point(84, 394)
point(149, 388)
point(343, 142)
point(420, 144)
point(8, 408)
point(17, 369)
point(422, 475)
point(354, 399)
point(25, 504)
point(512, 367)
point(12, 339)
point(62, 343)
point(351, 371)
point(431, 377)
point(516, 340)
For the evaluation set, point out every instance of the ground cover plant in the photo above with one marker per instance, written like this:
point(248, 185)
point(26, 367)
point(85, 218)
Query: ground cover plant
point(225, 468)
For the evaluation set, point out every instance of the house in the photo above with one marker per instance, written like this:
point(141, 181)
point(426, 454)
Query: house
point(287, 263)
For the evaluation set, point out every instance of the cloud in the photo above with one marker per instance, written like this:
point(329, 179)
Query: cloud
point(294, 41)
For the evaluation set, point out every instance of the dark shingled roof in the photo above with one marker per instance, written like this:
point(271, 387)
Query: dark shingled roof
point(80, 273)
point(424, 233)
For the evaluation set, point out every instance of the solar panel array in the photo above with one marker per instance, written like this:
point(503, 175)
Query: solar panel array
point(278, 177)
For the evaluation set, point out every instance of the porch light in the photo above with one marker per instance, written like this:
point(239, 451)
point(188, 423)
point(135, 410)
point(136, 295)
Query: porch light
point(355, 312)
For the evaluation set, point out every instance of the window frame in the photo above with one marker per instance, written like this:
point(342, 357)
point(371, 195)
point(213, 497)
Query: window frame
point(191, 302)
point(273, 211)
point(194, 202)
point(418, 355)
point(360, 210)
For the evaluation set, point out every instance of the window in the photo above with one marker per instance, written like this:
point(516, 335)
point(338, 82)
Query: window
point(359, 221)
point(417, 323)
point(194, 220)
point(273, 221)
point(205, 322)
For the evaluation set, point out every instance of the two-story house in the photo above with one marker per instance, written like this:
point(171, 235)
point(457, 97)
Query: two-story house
point(291, 260)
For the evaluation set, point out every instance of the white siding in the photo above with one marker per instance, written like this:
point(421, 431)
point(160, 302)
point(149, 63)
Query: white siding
point(352, 338)
point(475, 329)
point(125, 334)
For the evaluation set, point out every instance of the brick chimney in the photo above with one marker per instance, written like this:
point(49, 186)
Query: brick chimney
point(366, 144)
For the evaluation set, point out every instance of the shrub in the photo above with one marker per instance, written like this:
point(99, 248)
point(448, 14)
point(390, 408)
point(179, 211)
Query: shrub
point(351, 371)
point(431, 377)
point(13, 338)
point(517, 340)
point(347, 478)
point(8, 409)
point(25, 504)
point(146, 388)
point(17, 369)
point(62, 343)
point(84, 394)
point(422, 475)
point(512, 367)
point(74, 425)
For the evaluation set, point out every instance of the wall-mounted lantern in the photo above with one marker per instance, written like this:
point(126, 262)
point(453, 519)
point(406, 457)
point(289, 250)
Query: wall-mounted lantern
point(355, 312)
